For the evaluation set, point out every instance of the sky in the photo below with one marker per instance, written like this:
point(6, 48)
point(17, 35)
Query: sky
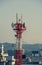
point(31, 11)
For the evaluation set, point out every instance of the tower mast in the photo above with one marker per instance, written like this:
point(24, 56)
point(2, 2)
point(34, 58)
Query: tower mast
point(18, 27)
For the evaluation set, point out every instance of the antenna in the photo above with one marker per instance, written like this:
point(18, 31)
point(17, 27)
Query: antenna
point(16, 17)
point(21, 17)
point(12, 24)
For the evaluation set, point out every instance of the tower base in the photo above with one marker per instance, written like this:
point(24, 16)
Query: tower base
point(18, 57)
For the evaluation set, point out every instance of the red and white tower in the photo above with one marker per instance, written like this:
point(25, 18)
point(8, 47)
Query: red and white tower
point(18, 27)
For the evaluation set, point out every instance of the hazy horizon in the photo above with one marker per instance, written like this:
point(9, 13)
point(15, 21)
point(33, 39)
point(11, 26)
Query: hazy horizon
point(31, 11)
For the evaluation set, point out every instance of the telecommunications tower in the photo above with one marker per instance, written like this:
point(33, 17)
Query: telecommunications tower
point(18, 27)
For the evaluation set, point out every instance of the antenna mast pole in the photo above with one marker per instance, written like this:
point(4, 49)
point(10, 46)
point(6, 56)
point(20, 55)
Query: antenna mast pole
point(18, 27)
